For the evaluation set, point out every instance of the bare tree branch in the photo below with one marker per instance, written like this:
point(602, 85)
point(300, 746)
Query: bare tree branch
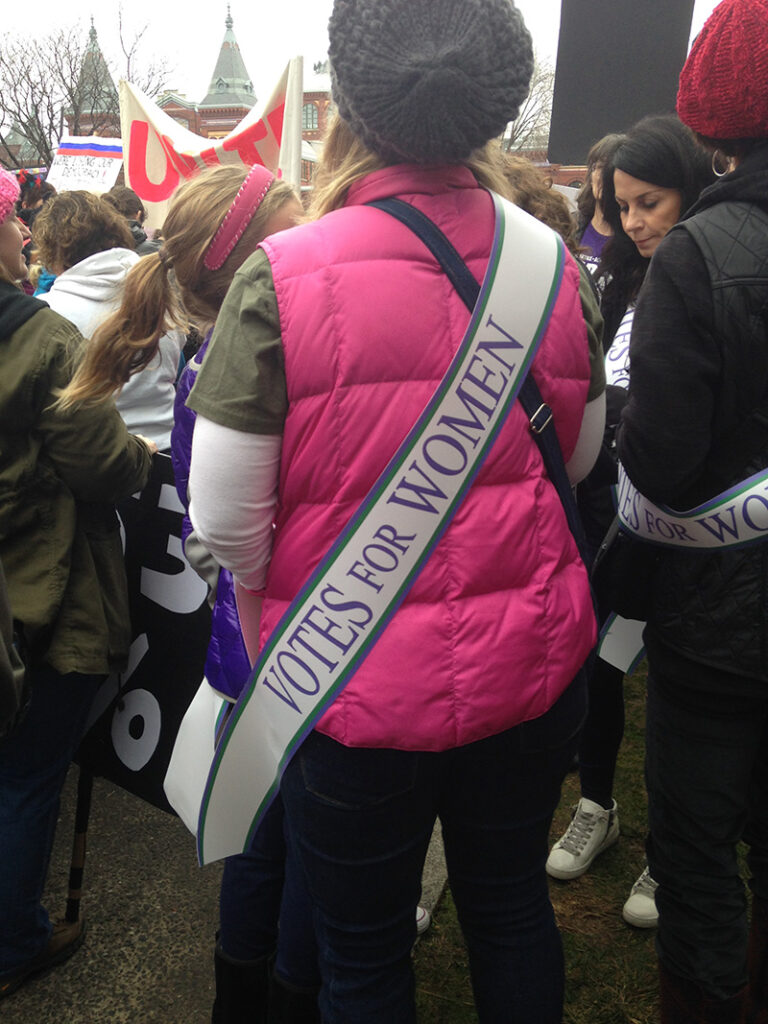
point(29, 98)
point(530, 129)
point(151, 77)
point(54, 82)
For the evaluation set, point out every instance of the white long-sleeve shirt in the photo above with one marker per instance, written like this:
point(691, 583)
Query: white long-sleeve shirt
point(233, 481)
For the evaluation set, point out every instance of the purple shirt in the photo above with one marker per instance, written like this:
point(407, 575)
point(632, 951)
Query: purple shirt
point(593, 241)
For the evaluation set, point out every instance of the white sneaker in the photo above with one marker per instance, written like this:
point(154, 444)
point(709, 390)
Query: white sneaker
point(592, 830)
point(640, 909)
point(423, 920)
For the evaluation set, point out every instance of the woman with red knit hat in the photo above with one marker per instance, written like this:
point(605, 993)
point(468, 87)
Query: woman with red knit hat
point(694, 436)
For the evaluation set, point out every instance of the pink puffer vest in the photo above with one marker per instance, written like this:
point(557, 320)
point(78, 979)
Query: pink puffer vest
point(500, 618)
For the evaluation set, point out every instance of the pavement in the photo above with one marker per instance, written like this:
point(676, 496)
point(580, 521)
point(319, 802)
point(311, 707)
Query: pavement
point(151, 914)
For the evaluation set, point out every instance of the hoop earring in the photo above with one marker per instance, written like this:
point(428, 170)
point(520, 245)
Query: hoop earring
point(719, 155)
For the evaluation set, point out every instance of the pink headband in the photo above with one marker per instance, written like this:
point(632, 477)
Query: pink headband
point(238, 216)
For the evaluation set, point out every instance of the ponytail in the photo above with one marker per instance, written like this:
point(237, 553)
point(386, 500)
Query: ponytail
point(127, 341)
point(173, 287)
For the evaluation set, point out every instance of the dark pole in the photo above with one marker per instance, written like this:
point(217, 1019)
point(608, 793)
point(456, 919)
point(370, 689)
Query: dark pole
point(82, 813)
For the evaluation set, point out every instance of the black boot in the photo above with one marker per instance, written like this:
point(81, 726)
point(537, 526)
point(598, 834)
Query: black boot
point(757, 962)
point(683, 1002)
point(242, 990)
point(289, 1004)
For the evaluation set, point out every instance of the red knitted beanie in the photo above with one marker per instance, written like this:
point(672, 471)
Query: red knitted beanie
point(723, 90)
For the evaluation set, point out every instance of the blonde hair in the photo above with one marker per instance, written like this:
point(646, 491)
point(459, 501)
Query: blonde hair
point(172, 288)
point(34, 272)
point(346, 159)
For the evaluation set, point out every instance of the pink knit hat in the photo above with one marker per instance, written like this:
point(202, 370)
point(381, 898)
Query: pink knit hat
point(723, 91)
point(9, 193)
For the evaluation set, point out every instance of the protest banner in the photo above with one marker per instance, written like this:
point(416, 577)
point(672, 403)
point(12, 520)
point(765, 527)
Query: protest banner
point(136, 714)
point(86, 162)
point(160, 153)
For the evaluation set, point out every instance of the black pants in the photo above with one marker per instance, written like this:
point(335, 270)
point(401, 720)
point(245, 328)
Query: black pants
point(707, 780)
point(602, 733)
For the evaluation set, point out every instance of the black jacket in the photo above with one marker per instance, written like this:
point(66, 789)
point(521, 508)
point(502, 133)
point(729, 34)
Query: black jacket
point(144, 245)
point(698, 403)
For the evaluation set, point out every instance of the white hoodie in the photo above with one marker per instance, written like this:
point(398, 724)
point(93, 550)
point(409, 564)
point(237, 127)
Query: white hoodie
point(86, 294)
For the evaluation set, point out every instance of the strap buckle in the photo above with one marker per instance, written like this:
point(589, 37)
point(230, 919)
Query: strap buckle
point(541, 419)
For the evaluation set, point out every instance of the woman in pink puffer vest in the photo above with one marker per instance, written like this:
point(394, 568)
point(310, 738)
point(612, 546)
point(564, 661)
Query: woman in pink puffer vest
point(330, 343)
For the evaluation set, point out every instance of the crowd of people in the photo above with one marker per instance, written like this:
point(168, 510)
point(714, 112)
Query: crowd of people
point(295, 363)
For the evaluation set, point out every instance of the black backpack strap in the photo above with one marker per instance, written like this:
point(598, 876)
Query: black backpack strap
point(440, 247)
point(538, 412)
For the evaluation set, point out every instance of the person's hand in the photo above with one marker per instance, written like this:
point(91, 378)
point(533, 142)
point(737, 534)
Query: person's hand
point(26, 234)
point(153, 449)
point(249, 612)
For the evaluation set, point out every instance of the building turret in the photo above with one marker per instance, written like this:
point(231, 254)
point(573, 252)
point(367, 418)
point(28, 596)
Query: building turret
point(231, 88)
point(96, 108)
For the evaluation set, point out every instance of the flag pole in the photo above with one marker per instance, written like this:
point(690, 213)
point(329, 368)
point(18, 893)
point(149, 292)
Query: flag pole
point(290, 145)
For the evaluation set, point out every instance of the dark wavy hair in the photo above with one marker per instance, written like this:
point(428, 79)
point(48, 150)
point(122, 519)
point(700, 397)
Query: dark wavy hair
point(660, 150)
point(126, 202)
point(599, 155)
point(33, 189)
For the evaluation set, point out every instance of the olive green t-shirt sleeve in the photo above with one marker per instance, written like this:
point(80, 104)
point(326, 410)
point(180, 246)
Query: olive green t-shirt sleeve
point(241, 383)
point(594, 322)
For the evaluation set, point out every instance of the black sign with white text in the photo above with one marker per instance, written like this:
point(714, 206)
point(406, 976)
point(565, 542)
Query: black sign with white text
point(136, 714)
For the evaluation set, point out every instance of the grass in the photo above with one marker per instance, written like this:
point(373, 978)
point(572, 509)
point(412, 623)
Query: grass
point(610, 967)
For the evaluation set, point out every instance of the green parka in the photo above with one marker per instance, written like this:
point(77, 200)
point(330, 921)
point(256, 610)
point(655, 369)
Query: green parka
point(60, 475)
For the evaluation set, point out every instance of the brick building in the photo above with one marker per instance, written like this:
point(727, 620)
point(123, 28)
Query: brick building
point(229, 98)
point(314, 118)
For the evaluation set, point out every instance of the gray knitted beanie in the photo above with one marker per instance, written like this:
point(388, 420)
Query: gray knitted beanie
point(428, 81)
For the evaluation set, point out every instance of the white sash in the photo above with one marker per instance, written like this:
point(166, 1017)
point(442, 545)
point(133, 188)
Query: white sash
point(733, 519)
point(737, 517)
point(348, 601)
point(617, 356)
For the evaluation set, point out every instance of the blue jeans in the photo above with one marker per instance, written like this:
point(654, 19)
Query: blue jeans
point(33, 766)
point(363, 818)
point(707, 780)
point(260, 887)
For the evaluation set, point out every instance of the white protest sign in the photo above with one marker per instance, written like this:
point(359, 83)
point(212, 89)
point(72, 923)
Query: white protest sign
point(86, 162)
point(621, 643)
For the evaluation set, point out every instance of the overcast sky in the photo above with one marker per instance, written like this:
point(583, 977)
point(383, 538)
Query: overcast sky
point(269, 32)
